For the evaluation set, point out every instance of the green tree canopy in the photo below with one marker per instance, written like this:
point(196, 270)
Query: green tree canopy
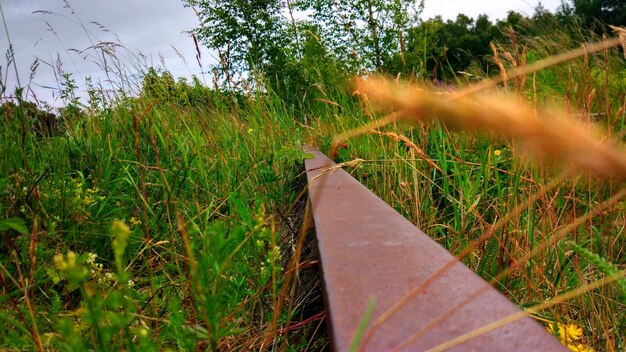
point(605, 11)
point(244, 32)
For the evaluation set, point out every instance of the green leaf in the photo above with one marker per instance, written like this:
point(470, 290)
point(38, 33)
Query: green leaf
point(606, 267)
point(53, 275)
point(360, 331)
point(16, 224)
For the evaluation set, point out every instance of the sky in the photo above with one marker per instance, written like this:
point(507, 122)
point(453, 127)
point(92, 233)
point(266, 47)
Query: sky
point(153, 32)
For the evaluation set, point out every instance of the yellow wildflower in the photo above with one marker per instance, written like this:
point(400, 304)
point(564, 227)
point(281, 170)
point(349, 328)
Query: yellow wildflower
point(71, 259)
point(88, 200)
point(573, 332)
point(59, 262)
point(134, 221)
point(497, 152)
point(569, 335)
point(250, 130)
point(65, 262)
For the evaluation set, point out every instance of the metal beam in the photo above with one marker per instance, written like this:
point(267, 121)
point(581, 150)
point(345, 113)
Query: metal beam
point(369, 251)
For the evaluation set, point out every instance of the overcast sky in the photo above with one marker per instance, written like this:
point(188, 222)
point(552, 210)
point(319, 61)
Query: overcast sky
point(154, 28)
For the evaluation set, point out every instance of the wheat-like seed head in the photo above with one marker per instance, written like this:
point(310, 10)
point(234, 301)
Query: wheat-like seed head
point(552, 134)
point(621, 33)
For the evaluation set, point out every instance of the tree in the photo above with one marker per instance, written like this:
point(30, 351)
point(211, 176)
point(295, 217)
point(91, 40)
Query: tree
point(246, 33)
point(425, 47)
point(605, 11)
point(364, 33)
point(261, 42)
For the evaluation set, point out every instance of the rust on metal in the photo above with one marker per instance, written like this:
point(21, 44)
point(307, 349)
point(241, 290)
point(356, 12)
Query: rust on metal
point(369, 251)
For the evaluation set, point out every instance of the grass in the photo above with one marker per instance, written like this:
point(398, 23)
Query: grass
point(173, 218)
point(163, 223)
point(504, 216)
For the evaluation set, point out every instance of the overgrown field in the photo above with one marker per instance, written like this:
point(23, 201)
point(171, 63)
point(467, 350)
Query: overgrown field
point(150, 225)
point(174, 218)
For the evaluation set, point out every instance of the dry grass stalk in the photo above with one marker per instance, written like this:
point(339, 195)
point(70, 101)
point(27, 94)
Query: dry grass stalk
point(545, 134)
point(621, 33)
point(561, 138)
point(444, 268)
point(522, 79)
point(517, 264)
point(330, 169)
point(402, 138)
point(489, 83)
point(619, 116)
point(326, 101)
point(498, 61)
point(381, 122)
point(548, 62)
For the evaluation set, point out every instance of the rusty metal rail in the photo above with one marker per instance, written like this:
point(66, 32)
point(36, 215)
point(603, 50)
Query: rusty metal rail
point(368, 250)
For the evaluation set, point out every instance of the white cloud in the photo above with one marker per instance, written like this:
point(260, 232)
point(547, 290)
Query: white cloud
point(150, 27)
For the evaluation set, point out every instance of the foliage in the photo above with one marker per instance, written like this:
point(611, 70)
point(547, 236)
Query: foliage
point(442, 49)
point(161, 220)
point(148, 226)
point(381, 35)
point(603, 265)
point(364, 33)
point(604, 11)
point(161, 87)
point(245, 33)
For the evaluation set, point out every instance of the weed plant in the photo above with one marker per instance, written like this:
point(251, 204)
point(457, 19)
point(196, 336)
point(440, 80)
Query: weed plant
point(535, 230)
point(153, 224)
point(164, 219)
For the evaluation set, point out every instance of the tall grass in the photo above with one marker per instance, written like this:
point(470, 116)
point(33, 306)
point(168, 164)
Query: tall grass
point(504, 215)
point(153, 225)
point(172, 217)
